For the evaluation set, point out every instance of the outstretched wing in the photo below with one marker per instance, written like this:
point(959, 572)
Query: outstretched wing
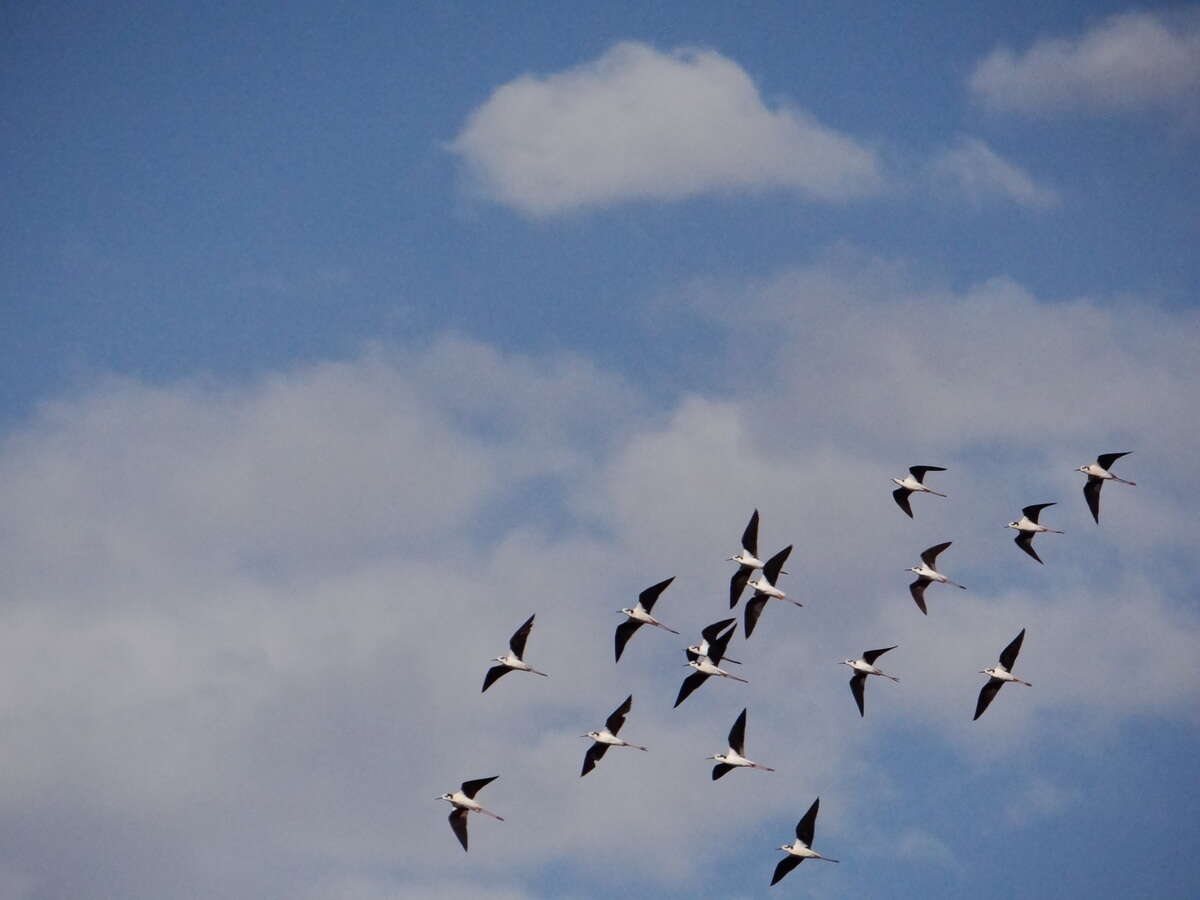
point(716, 649)
point(1024, 540)
point(857, 681)
point(458, 824)
point(1009, 656)
point(593, 755)
point(624, 632)
point(986, 693)
point(614, 722)
point(1033, 511)
point(786, 865)
point(650, 594)
point(754, 608)
point(869, 656)
point(918, 472)
point(1105, 460)
point(807, 827)
point(737, 735)
point(492, 674)
point(471, 788)
point(517, 642)
point(750, 535)
point(773, 566)
point(737, 584)
point(917, 589)
point(720, 769)
point(710, 633)
point(690, 683)
point(900, 495)
point(929, 557)
point(1091, 493)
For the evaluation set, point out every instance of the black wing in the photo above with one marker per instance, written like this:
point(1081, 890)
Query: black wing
point(690, 683)
point(614, 722)
point(750, 535)
point(786, 865)
point(1024, 540)
point(737, 584)
point(517, 642)
point(650, 594)
point(869, 656)
point(917, 589)
point(1105, 460)
point(1009, 656)
point(593, 755)
point(929, 557)
point(492, 674)
point(918, 472)
point(986, 693)
point(1091, 493)
point(754, 608)
point(624, 632)
point(720, 769)
point(806, 827)
point(857, 681)
point(471, 788)
point(710, 633)
point(737, 735)
point(458, 824)
point(773, 566)
point(900, 495)
point(1033, 511)
point(716, 649)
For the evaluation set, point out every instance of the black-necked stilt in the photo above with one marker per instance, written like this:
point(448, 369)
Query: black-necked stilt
point(733, 758)
point(463, 801)
point(862, 668)
point(1027, 526)
point(1098, 473)
point(765, 589)
point(602, 740)
point(512, 660)
point(926, 573)
point(707, 665)
point(747, 561)
point(1000, 674)
point(707, 637)
point(913, 483)
point(640, 615)
point(800, 849)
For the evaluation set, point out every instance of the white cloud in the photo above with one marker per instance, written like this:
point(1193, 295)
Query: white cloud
point(981, 173)
point(1131, 61)
point(637, 123)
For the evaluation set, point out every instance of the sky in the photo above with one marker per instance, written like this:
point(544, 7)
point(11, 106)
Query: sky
point(340, 338)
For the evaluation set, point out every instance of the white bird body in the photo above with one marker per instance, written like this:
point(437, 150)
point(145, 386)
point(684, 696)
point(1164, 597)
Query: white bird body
point(640, 615)
point(1098, 473)
point(866, 668)
point(863, 667)
point(734, 757)
point(1023, 524)
point(1003, 674)
point(464, 802)
point(1000, 674)
point(762, 586)
point(708, 667)
point(923, 571)
point(800, 849)
point(512, 660)
point(605, 736)
point(913, 483)
point(927, 574)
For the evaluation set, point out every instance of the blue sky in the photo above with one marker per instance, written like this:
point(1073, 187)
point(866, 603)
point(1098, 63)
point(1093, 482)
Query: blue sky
point(339, 339)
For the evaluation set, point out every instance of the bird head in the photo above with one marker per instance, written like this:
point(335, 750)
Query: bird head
point(627, 611)
point(1011, 525)
point(447, 798)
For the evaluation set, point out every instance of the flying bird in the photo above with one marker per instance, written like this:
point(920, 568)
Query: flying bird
point(463, 801)
point(602, 740)
point(640, 615)
point(707, 666)
point(926, 573)
point(862, 668)
point(1027, 526)
point(747, 561)
point(913, 483)
point(1098, 473)
point(1000, 674)
point(733, 758)
point(707, 637)
point(801, 849)
point(764, 588)
point(512, 660)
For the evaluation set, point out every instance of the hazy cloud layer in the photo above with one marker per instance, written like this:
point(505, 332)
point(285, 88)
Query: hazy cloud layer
point(1132, 61)
point(981, 174)
point(639, 123)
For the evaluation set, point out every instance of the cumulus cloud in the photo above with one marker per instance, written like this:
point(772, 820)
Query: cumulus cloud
point(639, 123)
point(1131, 61)
point(981, 174)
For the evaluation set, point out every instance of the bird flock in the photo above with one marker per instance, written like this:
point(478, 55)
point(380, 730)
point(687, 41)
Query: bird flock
point(706, 656)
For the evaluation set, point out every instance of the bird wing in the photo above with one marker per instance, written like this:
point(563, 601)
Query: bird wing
point(986, 693)
point(492, 674)
point(517, 642)
point(750, 535)
point(720, 769)
point(624, 632)
point(1024, 540)
point(1091, 493)
point(1031, 512)
point(807, 827)
point(900, 495)
point(773, 566)
point(614, 722)
point(918, 472)
point(917, 589)
point(1009, 656)
point(785, 865)
point(716, 649)
point(650, 594)
point(737, 584)
point(857, 681)
point(754, 608)
point(869, 656)
point(458, 824)
point(929, 557)
point(690, 683)
point(710, 633)
point(1105, 460)
point(592, 756)
point(737, 735)
point(471, 788)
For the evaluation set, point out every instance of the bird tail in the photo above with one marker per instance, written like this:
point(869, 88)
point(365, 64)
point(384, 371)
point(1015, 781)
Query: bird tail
point(936, 494)
point(1123, 481)
point(735, 677)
